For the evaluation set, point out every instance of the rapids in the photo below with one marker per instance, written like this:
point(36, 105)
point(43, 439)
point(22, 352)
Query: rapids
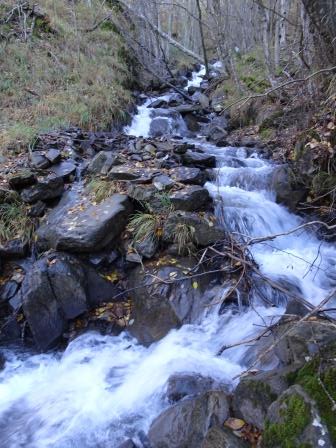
point(103, 389)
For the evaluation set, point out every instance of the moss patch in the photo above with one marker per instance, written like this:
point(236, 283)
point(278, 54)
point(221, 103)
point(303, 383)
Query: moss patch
point(296, 416)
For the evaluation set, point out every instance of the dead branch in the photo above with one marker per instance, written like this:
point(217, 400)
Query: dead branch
point(281, 86)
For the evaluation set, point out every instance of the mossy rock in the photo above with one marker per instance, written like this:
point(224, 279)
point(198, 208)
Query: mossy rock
point(293, 421)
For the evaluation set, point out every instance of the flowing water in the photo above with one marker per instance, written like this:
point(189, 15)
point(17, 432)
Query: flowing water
point(103, 389)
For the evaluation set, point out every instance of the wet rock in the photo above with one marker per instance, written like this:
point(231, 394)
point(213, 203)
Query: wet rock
point(219, 437)
point(65, 170)
point(10, 330)
point(103, 162)
point(53, 155)
point(160, 307)
point(126, 172)
point(204, 229)
point(39, 161)
point(37, 210)
point(22, 179)
point(199, 160)
point(186, 423)
point(141, 193)
point(255, 393)
point(191, 198)
point(183, 385)
point(158, 104)
point(297, 308)
point(294, 420)
point(14, 249)
point(50, 187)
point(163, 182)
point(8, 290)
point(57, 288)
point(87, 230)
point(147, 247)
point(287, 193)
point(202, 99)
point(186, 175)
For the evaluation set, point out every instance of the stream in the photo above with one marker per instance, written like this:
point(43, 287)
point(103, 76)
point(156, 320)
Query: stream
point(104, 389)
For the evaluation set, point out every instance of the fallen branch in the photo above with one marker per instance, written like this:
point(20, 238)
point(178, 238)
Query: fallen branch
point(281, 86)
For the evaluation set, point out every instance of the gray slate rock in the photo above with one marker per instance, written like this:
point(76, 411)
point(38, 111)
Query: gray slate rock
point(182, 385)
point(50, 187)
point(199, 159)
point(65, 170)
point(163, 182)
point(39, 161)
point(186, 175)
point(13, 249)
point(87, 230)
point(22, 179)
point(186, 423)
point(103, 162)
point(191, 198)
point(53, 155)
point(221, 437)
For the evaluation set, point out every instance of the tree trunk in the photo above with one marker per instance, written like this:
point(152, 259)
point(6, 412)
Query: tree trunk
point(202, 37)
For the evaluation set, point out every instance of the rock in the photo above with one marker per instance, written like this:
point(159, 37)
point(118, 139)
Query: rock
point(39, 161)
point(187, 175)
point(147, 247)
point(192, 122)
point(103, 162)
point(163, 182)
point(53, 155)
point(160, 307)
point(182, 385)
point(14, 249)
point(287, 193)
point(37, 210)
point(41, 309)
point(202, 99)
point(218, 437)
point(87, 230)
point(191, 198)
point(10, 330)
point(294, 420)
point(8, 290)
point(127, 444)
point(57, 288)
point(22, 179)
point(204, 230)
point(182, 148)
point(126, 172)
point(141, 193)
point(186, 423)
point(255, 393)
point(297, 308)
point(200, 160)
point(158, 104)
point(50, 187)
point(65, 170)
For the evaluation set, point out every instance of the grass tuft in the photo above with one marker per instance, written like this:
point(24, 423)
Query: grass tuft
point(15, 222)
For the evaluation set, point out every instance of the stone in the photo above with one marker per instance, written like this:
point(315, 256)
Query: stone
point(14, 249)
point(22, 179)
point(199, 160)
point(255, 393)
point(294, 420)
point(221, 437)
point(205, 231)
point(158, 104)
point(287, 193)
point(103, 162)
point(50, 187)
point(37, 210)
point(187, 422)
point(58, 288)
point(186, 175)
point(191, 198)
point(126, 172)
point(65, 170)
point(163, 182)
point(39, 161)
point(297, 308)
point(53, 155)
point(88, 230)
point(160, 307)
point(182, 385)
point(8, 290)
point(147, 247)
point(202, 99)
point(127, 444)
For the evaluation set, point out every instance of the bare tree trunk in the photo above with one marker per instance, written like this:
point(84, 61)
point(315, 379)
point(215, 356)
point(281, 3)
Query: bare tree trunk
point(202, 37)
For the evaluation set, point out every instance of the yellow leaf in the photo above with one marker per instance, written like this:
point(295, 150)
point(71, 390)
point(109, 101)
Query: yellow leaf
point(234, 423)
point(195, 285)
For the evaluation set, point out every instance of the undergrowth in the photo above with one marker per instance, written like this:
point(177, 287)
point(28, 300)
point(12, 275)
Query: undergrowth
point(15, 222)
point(64, 73)
point(101, 188)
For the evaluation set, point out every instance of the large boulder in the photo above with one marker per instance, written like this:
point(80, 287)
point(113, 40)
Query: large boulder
point(294, 420)
point(286, 190)
point(191, 198)
point(50, 187)
point(22, 179)
point(165, 302)
point(199, 159)
point(72, 228)
point(57, 288)
point(182, 385)
point(186, 423)
point(103, 162)
point(187, 175)
point(218, 437)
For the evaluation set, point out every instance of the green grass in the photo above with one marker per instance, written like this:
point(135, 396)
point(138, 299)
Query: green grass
point(15, 222)
point(63, 75)
point(145, 226)
point(100, 189)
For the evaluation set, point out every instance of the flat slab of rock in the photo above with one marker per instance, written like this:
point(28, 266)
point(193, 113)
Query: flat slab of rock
point(22, 179)
point(191, 198)
point(186, 175)
point(126, 172)
point(50, 187)
point(64, 169)
point(70, 227)
point(199, 159)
